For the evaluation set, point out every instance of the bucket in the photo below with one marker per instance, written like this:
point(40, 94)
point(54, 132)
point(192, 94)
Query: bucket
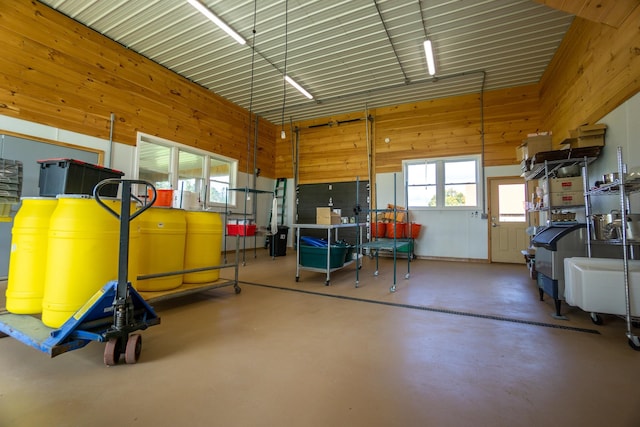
point(603, 227)
point(400, 231)
point(415, 230)
point(25, 285)
point(164, 198)
point(162, 246)
point(378, 229)
point(82, 255)
point(203, 246)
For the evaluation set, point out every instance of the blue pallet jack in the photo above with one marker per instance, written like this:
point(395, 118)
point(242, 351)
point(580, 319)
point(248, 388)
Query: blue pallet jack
point(111, 315)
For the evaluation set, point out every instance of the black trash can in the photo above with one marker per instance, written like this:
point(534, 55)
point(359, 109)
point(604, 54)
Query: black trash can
point(278, 241)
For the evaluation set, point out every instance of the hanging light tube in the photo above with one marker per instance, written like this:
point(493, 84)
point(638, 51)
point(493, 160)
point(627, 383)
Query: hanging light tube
point(227, 29)
point(297, 86)
point(431, 62)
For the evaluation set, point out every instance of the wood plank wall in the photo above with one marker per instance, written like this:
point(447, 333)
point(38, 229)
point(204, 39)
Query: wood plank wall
point(335, 148)
point(596, 68)
point(58, 72)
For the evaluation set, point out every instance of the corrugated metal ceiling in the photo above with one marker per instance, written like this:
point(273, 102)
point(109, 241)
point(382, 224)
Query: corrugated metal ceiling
point(337, 49)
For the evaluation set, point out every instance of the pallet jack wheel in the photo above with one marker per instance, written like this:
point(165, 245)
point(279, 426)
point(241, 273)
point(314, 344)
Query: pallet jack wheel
point(112, 352)
point(134, 347)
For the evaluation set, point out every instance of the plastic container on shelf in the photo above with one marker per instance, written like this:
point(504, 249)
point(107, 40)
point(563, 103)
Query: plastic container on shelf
point(316, 256)
point(399, 232)
point(241, 229)
point(414, 230)
point(378, 229)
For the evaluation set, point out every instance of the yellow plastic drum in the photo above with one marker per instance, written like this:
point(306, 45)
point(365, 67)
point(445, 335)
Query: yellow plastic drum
point(82, 255)
point(203, 246)
point(162, 242)
point(25, 285)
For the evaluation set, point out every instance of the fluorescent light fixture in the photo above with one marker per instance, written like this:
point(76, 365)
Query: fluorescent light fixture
point(206, 12)
point(297, 86)
point(431, 62)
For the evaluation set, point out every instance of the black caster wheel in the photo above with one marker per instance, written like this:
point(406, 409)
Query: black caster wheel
point(297, 279)
point(634, 343)
point(326, 283)
point(133, 350)
point(596, 319)
point(112, 352)
point(237, 289)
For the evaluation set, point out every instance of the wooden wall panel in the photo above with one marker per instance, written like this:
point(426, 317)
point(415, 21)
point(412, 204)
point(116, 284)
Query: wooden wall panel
point(58, 72)
point(435, 128)
point(596, 69)
point(333, 153)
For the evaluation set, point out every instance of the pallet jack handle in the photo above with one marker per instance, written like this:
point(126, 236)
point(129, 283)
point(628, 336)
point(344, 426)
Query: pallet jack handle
point(125, 217)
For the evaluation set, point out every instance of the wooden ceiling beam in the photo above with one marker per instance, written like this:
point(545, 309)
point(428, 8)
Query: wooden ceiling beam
point(609, 12)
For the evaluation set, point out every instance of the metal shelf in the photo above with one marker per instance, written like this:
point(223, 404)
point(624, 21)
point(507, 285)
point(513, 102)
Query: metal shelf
point(622, 189)
point(549, 167)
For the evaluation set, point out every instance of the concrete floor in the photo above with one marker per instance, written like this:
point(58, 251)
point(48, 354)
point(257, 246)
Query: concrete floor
point(457, 344)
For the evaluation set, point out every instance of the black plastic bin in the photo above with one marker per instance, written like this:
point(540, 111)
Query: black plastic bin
point(69, 176)
point(278, 241)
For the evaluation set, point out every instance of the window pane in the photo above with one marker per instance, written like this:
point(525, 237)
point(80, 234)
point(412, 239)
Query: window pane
point(219, 181)
point(423, 195)
point(190, 172)
point(421, 173)
point(154, 164)
point(460, 172)
point(511, 199)
point(460, 195)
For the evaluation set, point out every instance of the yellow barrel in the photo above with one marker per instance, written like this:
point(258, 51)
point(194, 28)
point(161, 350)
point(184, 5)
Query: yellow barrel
point(82, 255)
point(162, 242)
point(25, 285)
point(204, 240)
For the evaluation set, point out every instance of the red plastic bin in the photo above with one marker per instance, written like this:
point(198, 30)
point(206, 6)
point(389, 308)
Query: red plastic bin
point(241, 229)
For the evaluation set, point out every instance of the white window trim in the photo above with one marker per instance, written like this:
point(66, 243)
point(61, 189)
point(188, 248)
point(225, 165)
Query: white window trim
point(173, 167)
point(440, 193)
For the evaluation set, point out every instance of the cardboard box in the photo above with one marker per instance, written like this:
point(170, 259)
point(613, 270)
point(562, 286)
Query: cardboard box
point(533, 145)
point(588, 141)
point(569, 198)
point(562, 185)
point(588, 136)
point(586, 131)
point(327, 216)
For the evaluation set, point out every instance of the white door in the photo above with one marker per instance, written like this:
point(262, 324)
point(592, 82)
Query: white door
point(508, 220)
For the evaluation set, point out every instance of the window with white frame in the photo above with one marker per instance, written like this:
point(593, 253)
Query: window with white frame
point(168, 164)
point(445, 183)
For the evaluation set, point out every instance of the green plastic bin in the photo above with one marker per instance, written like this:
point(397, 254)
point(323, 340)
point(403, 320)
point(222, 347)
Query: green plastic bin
point(316, 257)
